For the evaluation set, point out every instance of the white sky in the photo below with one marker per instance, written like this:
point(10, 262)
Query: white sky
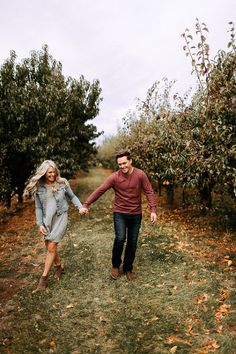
point(126, 44)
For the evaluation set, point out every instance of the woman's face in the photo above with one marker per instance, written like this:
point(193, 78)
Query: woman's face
point(50, 175)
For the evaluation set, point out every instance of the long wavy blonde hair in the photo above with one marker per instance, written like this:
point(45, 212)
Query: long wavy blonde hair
point(39, 176)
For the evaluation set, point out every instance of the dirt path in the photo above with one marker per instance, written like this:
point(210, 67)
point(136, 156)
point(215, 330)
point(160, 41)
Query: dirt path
point(180, 302)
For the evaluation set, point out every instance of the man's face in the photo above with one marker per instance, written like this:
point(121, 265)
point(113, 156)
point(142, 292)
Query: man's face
point(124, 164)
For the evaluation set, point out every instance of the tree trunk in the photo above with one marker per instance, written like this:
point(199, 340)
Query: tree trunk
point(8, 201)
point(170, 194)
point(183, 197)
point(159, 187)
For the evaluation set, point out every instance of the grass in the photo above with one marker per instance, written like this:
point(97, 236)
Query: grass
point(180, 302)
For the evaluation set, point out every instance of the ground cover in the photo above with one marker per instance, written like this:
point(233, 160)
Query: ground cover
point(182, 300)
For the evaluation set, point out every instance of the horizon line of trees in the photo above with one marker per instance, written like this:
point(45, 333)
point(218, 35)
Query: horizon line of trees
point(43, 115)
point(183, 141)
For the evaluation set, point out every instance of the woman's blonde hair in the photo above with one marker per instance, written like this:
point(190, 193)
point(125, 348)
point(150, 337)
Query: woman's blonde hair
point(34, 182)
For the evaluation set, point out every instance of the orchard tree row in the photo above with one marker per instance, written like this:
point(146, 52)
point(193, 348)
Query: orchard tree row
point(188, 142)
point(43, 115)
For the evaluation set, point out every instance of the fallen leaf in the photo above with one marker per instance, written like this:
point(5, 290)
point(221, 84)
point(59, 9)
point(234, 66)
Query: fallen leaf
point(174, 339)
point(101, 331)
point(228, 269)
point(222, 311)
point(190, 330)
point(154, 319)
point(103, 319)
point(52, 343)
point(149, 320)
point(43, 341)
point(220, 329)
point(210, 344)
point(202, 298)
point(173, 349)
point(182, 245)
point(223, 295)
point(70, 306)
point(111, 301)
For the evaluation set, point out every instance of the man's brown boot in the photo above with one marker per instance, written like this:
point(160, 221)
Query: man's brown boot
point(115, 273)
point(130, 276)
point(59, 271)
point(43, 281)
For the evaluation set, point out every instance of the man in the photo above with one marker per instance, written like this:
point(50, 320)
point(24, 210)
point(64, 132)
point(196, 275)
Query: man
point(127, 184)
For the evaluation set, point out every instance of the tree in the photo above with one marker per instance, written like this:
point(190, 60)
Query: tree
point(215, 112)
point(190, 144)
point(45, 116)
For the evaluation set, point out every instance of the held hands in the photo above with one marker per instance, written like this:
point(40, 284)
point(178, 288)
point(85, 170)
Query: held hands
point(83, 211)
point(153, 218)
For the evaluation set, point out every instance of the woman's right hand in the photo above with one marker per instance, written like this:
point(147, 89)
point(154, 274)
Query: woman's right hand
point(83, 211)
point(43, 230)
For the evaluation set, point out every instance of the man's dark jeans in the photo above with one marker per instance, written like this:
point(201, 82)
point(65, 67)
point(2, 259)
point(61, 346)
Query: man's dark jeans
point(125, 224)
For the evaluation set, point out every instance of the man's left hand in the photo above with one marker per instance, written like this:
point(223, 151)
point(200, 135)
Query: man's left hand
point(153, 218)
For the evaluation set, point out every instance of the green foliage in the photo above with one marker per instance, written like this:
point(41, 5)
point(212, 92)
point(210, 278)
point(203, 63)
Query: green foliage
point(43, 116)
point(215, 112)
point(190, 143)
point(152, 137)
point(108, 150)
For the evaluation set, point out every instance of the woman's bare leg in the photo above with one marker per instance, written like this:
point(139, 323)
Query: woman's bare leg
point(50, 257)
point(57, 260)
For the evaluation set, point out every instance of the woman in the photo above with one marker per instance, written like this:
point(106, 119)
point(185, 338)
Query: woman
point(49, 191)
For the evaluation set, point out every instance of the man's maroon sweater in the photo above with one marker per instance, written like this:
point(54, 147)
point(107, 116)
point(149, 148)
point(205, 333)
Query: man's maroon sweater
point(128, 191)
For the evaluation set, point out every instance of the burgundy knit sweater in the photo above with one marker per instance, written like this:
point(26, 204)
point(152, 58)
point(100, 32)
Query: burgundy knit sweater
point(128, 191)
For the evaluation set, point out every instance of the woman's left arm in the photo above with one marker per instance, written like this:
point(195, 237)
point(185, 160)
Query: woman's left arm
point(75, 200)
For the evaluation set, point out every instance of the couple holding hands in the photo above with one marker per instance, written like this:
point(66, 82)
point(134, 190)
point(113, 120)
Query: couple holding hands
point(49, 191)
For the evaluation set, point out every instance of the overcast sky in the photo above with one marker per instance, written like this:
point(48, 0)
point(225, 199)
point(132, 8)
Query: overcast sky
point(126, 44)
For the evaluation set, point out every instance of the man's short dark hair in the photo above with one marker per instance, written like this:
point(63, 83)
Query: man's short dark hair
point(122, 154)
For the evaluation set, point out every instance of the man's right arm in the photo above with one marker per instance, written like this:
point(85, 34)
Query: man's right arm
point(109, 182)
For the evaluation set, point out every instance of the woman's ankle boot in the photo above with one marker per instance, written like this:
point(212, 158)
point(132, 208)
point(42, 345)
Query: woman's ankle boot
point(59, 271)
point(42, 284)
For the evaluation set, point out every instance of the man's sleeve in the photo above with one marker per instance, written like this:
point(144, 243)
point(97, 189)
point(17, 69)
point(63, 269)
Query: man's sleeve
point(109, 182)
point(148, 190)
